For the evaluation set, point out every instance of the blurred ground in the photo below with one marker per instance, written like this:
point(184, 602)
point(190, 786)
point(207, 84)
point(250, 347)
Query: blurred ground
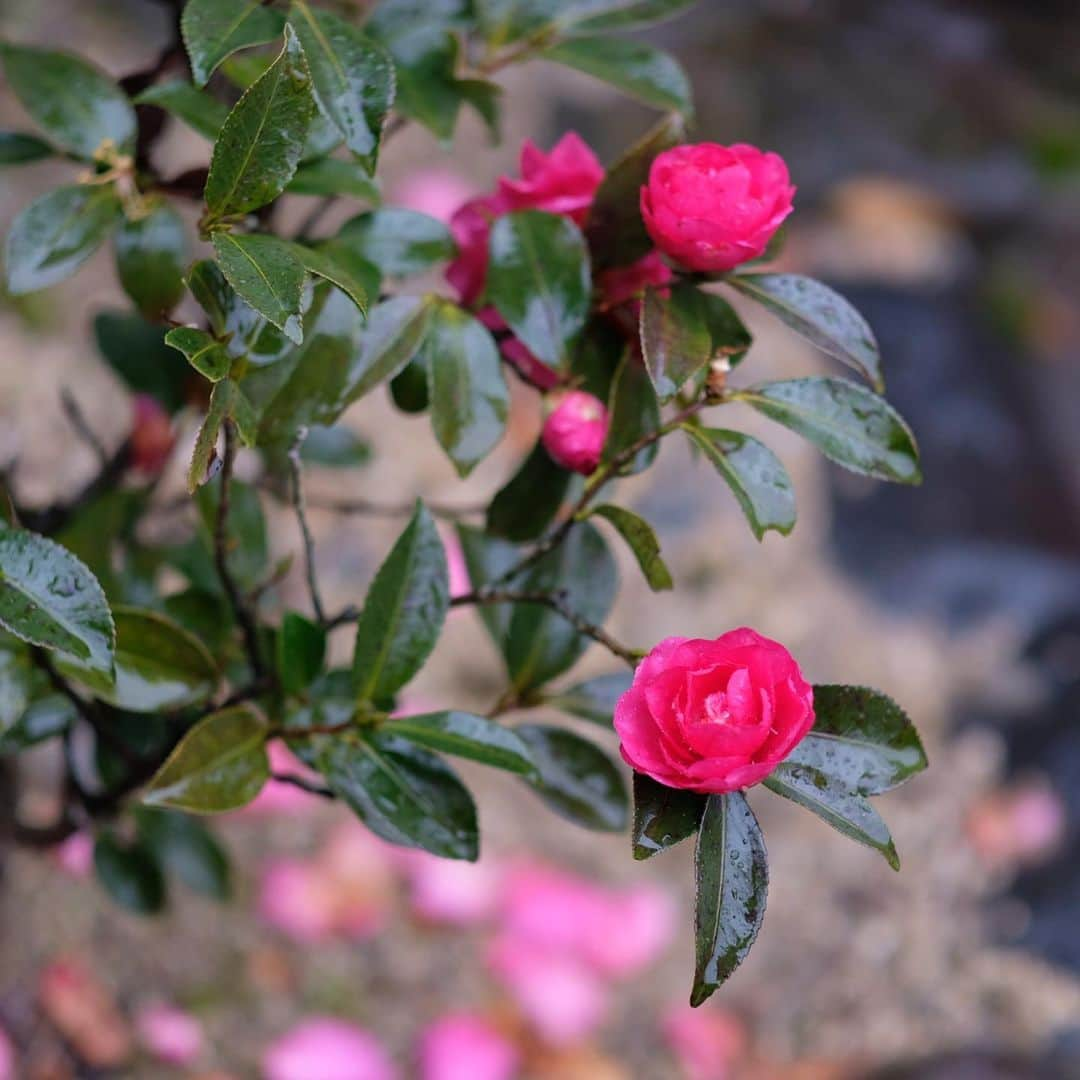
point(936, 151)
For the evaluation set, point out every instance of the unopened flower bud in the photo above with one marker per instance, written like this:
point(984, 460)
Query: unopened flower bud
point(575, 432)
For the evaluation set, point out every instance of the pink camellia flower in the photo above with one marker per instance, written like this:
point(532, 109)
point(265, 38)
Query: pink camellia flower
point(170, 1034)
point(436, 192)
point(707, 1043)
point(575, 432)
point(322, 1048)
point(298, 900)
point(712, 207)
point(450, 892)
point(714, 716)
point(7, 1057)
point(152, 437)
point(464, 1046)
point(623, 284)
point(470, 227)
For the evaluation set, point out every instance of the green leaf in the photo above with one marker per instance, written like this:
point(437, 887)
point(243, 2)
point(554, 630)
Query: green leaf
point(538, 278)
point(151, 255)
point(616, 233)
point(19, 149)
point(466, 736)
point(399, 242)
point(262, 139)
point(49, 598)
point(129, 874)
point(833, 802)
point(56, 234)
point(848, 423)
point(185, 847)
point(136, 351)
point(352, 76)
point(14, 686)
point(214, 29)
point(204, 353)
point(329, 176)
point(196, 108)
point(594, 699)
point(632, 66)
point(820, 315)
point(663, 816)
point(732, 873)
point(862, 738)
point(623, 14)
point(469, 397)
point(635, 412)
point(409, 387)
point(323, 263)
point(402, 793)
point(638, 533)
point(487, 558)
point(78, 106)
point(267, 274)
point(403, 613)
point(540, 643)
point(576, 778)
point(219, 765)
point(43, 719)
point(301, 649)
point(248, 545)
point(528, 502)
point(335, 448)
point(755, 475)
point(159, 665)
point(203, 464)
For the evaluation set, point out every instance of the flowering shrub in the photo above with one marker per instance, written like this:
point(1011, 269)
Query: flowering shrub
point(604, 290)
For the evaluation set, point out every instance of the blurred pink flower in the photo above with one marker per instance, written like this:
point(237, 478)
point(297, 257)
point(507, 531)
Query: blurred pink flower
point(438, 192)
point(452, 892)
point(645, 916)
point(75, 855)
point(170, 1034)
point(322, 1048)
point(296, 898)
point(455, 562)
point(706, 1042)
point(463, 1046)
point(1024, 824)
point(279, 798)
point(7, 1057)
point(470, 226)
point(563, 1000)
point(623, 283)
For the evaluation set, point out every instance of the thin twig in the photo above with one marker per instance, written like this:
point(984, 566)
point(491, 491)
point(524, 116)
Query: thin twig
point(297, 472)
point(73, 411)
point(304, 785)
point(221, 560)
point(374, 508)
point(557, 601)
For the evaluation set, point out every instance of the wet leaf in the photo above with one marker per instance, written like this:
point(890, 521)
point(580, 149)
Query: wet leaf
point(663, 816)
point(528, 502)
point(634, 412)
point(214, 29)
point(267, 274)
point(17, 148)
point(465, 735)
point(185, 847)
point(399, 242)
point(329, 176)
point(323, 262)
point(593, 699)
point(129, 874)
point(43, 719)
point(204, 353)
point(151, 256)
point(15, 686)
point(301, 649)
point(639, 535)
point(196, 108)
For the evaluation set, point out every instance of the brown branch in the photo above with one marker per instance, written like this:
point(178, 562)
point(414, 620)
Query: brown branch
point(74, 413)
point(296, 470)
point(304, 785)
point(377, 509)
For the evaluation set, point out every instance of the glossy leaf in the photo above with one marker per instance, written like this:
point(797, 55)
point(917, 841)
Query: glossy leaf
point(403, 613)
point(576, 778)
point(17, 148)
point(219, 765)
point(634, 412)
point(663, 816)
point(528, 502)
point(594, 699)
point(624, 14)
point(196, 108)
point(403, 793)
point(409, 387)
point(323, 263)
point(820, 315)
point(540, 643)
point(639, 535)
point(129, 874)
point(335, 447)
point(862, 738)
point(848, 423)
point(469, 397)
point(204, 353)
point(263, 136)
point(757, 478)
point(151, 256)
point(301, 649)
point(49, 598)
point(465, 735)
point(214, 29)
point(616, 233)
point(635, 67)
point(56, 234)
point(538, 278)
point(77, 106)
point(135, 350)
point(267, 274)
point(204, 462)
point(487, 558)
point(44, 718)
point(159, 665)
point(835, 803)
point(352, 76)
point(14, 685)
point(399, 242)
point(185, 847)
point(248, 543)
point(732, 873)
point(329, 176)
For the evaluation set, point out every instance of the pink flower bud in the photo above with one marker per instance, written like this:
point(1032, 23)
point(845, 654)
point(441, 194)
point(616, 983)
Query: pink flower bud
point(575, 432)
point(152, 436)
point(712, 207)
